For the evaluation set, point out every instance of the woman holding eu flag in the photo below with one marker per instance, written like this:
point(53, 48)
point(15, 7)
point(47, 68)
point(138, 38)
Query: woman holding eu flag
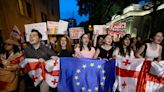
point(85, 50)
point(105, 51)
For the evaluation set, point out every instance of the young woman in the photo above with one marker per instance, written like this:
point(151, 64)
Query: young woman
point(98, 41)
point(124, 49)
point(85, 50)
point(64, 47)
point(152, 50)
point(106, 50)
point(133, 44)
point(9, 61)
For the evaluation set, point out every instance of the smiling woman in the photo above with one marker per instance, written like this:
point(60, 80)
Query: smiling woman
point(69, 9)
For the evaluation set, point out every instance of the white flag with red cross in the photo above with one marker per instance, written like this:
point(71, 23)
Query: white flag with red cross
point(139, 75)
point(17, 34)
point(39, 71)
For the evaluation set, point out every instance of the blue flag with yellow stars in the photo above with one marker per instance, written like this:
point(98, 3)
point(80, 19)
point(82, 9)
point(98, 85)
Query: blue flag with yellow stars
point(86, 75)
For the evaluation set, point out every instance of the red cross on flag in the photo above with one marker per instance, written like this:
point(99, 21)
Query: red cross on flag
point(139, 75)
point(38, 71)
point(17, 34)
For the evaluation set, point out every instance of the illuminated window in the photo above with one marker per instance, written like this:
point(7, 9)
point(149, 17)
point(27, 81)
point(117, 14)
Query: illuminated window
point(21, 8)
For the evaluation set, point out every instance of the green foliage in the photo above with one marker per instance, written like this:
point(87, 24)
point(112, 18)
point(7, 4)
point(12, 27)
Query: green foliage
point(100, 11)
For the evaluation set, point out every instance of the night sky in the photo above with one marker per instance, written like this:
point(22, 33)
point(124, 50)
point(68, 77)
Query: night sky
point(68, 9)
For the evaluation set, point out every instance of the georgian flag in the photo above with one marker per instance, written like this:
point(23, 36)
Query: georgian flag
point(139, 75)
point(17, 34)
point(39, 71)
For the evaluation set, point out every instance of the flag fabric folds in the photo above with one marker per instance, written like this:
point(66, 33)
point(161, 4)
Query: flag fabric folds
point(17, 34)
point(39, 71)
point(86, 75)
point(139, 75)
point(91, 75)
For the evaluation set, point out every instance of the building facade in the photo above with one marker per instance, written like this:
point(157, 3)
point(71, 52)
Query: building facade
point(21, 12)
point(142, 22)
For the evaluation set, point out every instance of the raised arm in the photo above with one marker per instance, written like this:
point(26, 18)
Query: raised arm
point(160, 53)
point(140, 51)
point(97, 53)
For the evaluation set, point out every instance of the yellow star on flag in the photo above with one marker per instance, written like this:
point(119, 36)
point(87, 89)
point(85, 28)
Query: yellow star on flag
point(99, 66)
point(92, 64)
point(84, 66)
point(96, 88)
point(76, 77)
point(78, 71)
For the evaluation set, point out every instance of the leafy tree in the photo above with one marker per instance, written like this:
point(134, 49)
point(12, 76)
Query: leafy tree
point(100, 11)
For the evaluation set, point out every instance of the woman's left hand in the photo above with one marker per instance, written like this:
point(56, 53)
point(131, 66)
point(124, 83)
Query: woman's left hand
point(55, 57)
point(12, 67)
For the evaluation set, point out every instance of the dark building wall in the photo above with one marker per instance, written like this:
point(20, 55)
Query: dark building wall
point(32, 11)
point(142, 26)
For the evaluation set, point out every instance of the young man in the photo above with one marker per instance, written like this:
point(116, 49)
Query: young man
point(41, 52)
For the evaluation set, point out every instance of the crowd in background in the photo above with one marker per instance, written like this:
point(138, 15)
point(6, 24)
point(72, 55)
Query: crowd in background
point(101, 47)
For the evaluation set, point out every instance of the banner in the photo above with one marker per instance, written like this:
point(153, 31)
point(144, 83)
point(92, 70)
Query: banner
point(76, 32)
point(86, 75)
point(39, 71)
point(117, 28)
point(92, 75)
point(100, 29)
point(139, 75)
point(63, 26)
point(52, 27)
point(41, 27)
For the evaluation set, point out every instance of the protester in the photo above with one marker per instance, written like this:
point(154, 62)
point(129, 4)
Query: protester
point(24, 45)
point(162, 50)
point(133, 44)
point(52, 42)
point(10, 58)
point(64, 47)
point(116, 40)
point(139, 43)
point(124, 49)
point(41, 52)
point(85, 50)
point(152, 50)
point(1, 49)
point(98, 41)
point(106, 50)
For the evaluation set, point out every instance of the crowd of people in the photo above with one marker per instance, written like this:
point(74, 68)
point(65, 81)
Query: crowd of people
point(102, 47)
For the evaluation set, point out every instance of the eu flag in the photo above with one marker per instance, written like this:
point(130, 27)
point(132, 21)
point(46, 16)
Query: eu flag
point(86, 75)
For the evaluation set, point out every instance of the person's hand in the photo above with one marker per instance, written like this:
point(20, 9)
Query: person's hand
point(105, 59)
point(99, 58)
point(13, 67)
point(5, 63)
point(54, 57)
point(41, 60)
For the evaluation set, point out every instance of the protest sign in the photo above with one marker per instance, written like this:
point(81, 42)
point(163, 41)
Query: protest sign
point(41, 27)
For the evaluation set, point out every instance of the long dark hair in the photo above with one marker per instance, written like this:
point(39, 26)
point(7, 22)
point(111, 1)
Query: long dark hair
point(81, 43)
point(121, 49)
point(97, 42)
point(15, 50)
point(153, 34)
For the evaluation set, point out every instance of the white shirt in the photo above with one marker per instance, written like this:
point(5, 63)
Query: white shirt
point(150, 53)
